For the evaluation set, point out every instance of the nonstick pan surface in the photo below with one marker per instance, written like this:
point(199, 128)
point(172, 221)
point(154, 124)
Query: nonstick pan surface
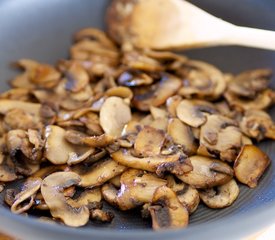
point(42, 30)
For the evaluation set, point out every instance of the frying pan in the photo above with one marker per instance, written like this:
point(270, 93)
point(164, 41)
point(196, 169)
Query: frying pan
point(42, 30)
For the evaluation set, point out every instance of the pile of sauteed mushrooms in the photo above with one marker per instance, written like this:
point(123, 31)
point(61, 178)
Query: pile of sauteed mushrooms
point(135, 128)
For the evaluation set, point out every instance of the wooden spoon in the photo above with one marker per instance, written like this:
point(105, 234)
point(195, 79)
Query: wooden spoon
point(166, 24)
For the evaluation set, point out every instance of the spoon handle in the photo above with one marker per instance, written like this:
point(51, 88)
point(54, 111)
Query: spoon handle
point(252, 37)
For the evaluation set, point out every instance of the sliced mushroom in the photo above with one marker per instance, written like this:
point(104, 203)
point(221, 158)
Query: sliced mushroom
point(122, 92)
point(7, 169)
point(250, 165)
point(149, 142)
point(74, 158)
point(192, 112)
point(249, 83)
point(114, 115)
point(158, 112)
point(167, 211)
point(201, 80)
point(100, 215)
point(182, 134)
point(58, 150)
point(161, 163)
point(257, 124)
point(2, 187)
point(133, 78)
point(207, 172)
point(27, 193)
point(157, 94)
point(86, 198)
point(45, 171)
point(172, 104)
point(31, 108)
point(186, 194)
point(109, 193)
point(99, 141)
point(54, 185)
point(220, 137)
point(137, 188)
point(221, 196)
point(261, 101)
point(98, 173)
point(116, 181)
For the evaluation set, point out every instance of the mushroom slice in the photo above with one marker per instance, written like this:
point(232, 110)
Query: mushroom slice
point(149, 142)
point(74, 158)
point(261, 101)
point(109, 193)
point(157, 94)
point(76, 76)
point(98, 141)
point(29, 189)
point(54, 185)
point(19, 119)
point(202, 80)
point(220, 137)
point(133, 78)
point(58, 150)
point(220, 196)
point(167, 211)
point(114, 115)
point(186, 194)
point(257, 124)
point(31, 108)
point(122, 92)
point(207, 172)
point(192, 112)
point(182, 135)
point(45, 171)
point(250, 165)
point(116, 181)
point(158, 112)
point(137, 188)
point(100, 215)
point(2, 187)
point(160, 163)
point(7, 169)
point(172, 104)
point(249, 83)
point(87, 197)
point(98, 173)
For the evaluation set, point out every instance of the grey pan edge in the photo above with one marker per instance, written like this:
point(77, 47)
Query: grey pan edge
point(231, 228)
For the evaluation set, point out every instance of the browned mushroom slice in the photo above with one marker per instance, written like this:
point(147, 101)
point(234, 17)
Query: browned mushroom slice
point(221, 196)
point(116, 181)
point(31, 108)
point(220, 137)
point(261, 101)
point(76, 76)
point(207, 172)
point(257, 124)
point(109, 193)
point(186, 194)
point(19, 119)
point(96, 35)
point(160, 163)
point(21, 149)
point(87, 197)
point(45, 171)
point(75, 158)
point(250, 165)
point(132, 78)
point(20, 94)
point(114, 115)
point(58, 150)
point(202, 80)
point(137, 187)
point(167, 211)
point(54, 185)
point(158, 112)
point(139, 61)
point(100, 215)
point(246, 140)
point(149, 142)
point(29, 189)
point(122, 92)
point(7, 169)
point(249, 83)
point(182, 134)
point(172, 104)
point(158, 93)
point(192, 112)
point(98, 173)
point(98, 141)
